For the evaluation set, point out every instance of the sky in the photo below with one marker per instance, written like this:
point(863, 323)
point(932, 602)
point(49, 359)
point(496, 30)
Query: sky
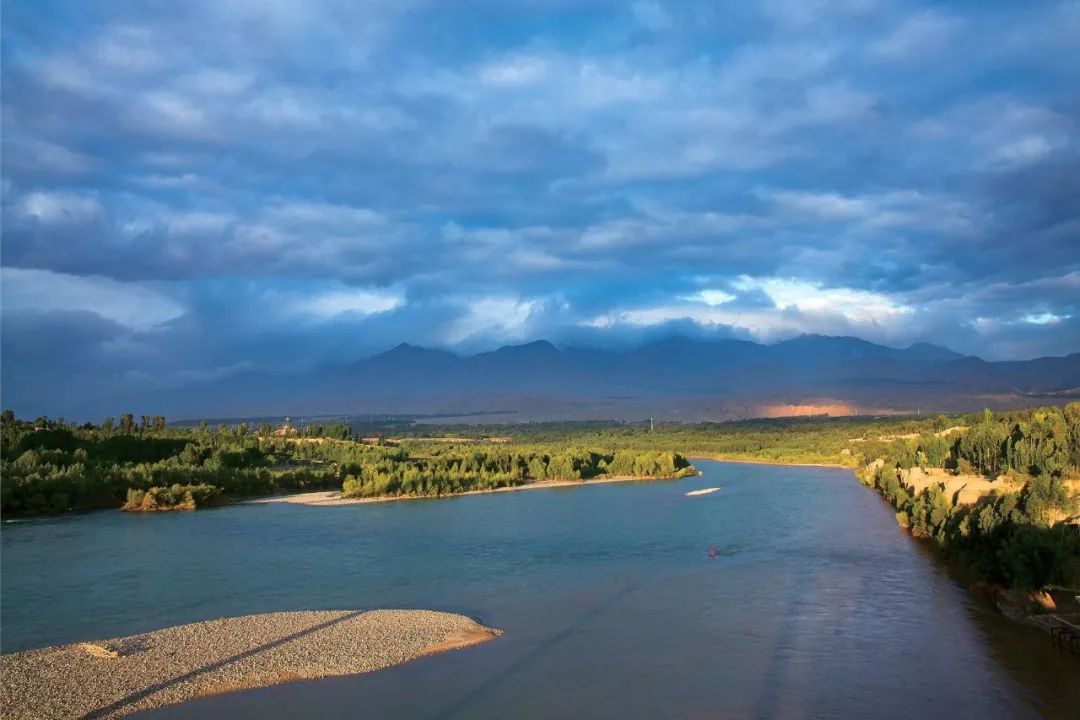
point(194, 190)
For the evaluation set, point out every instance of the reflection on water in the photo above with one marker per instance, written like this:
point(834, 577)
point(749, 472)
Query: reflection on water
point(815, 605)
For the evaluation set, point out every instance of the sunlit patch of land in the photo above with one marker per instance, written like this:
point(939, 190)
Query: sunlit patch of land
point(837, 409)
point(955, 429)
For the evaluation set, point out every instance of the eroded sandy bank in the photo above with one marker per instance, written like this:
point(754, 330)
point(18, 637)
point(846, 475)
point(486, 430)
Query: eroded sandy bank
point(116, 677)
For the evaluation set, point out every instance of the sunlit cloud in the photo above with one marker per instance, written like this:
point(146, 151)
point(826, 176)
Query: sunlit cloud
point(131, 305)
point(60, 208)
point(711, 297)
point(504, 318)
point(857, 306)
point(764, 325)
point(1044, 318)
point(334, 303)
point(513, 72)
point(798, 307)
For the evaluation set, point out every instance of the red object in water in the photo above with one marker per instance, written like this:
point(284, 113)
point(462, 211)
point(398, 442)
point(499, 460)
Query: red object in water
point(713, 552)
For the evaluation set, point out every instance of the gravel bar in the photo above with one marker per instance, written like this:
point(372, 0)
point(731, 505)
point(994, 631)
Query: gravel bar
point(112, 678)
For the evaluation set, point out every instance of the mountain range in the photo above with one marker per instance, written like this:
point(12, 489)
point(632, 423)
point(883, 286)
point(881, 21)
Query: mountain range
point(673, 378)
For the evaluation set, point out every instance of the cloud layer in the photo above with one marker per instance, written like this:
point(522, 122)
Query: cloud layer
point(198, 188)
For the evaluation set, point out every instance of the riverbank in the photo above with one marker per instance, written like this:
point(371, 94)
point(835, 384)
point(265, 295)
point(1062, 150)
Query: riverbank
point(761, 461)
point(117, 677)
point(333, 497)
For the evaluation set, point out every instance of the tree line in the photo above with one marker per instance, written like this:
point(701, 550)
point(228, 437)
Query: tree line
point(444, 471)
point(51, 466)
point(1027, 537)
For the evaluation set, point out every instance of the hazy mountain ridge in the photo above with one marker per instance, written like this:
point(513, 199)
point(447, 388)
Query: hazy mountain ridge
point(717, 378)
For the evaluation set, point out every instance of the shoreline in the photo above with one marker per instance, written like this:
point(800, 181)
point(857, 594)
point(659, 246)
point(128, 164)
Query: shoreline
point(117, 677)
point(746, 461)
point(332, 498)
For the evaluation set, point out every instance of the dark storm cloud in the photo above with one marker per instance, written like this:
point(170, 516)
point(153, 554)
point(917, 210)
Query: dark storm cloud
point(341, 176)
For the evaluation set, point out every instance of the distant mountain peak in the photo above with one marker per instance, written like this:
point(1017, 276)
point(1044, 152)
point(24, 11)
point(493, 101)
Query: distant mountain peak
point(543, 381)
point(936, 353)
point(408, 350)
point(827, 341)
point(534, 346)
point(414, 348)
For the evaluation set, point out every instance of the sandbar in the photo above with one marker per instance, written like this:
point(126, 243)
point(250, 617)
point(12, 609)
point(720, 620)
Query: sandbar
point(120, 676)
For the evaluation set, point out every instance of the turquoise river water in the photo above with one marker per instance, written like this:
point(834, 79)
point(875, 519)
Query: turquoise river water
point(816, 605)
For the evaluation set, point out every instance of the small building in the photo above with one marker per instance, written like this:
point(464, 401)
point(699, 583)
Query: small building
point(285, 430)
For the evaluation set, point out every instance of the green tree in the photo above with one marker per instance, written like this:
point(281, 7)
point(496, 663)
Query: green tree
point(1071, 416)
point(983, 445)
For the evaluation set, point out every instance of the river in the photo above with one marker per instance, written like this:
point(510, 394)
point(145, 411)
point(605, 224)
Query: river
point(815, 605)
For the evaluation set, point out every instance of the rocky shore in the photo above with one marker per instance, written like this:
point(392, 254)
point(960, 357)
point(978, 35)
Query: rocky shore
point(116, 677)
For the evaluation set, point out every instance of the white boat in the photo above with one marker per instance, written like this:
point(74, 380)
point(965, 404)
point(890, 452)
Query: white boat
point(704, 491)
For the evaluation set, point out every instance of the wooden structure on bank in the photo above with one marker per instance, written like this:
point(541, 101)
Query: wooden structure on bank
point(1064, 630)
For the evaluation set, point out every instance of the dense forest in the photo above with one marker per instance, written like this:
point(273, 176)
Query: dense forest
point(1022, 534)
point(1031, 442)
point(51, 466)
point(448, 470)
